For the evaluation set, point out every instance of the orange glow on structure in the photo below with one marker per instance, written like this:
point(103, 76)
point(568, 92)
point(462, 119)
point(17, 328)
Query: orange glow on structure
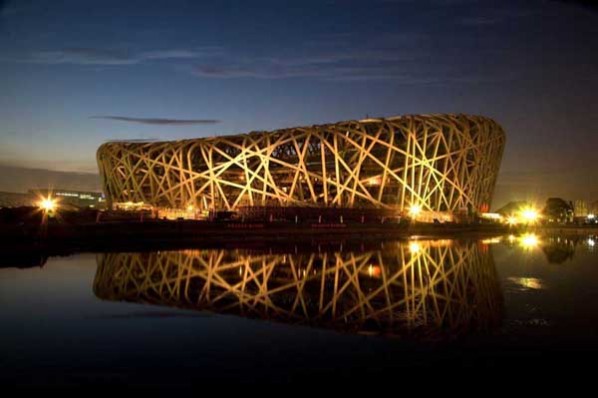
point(374, 271)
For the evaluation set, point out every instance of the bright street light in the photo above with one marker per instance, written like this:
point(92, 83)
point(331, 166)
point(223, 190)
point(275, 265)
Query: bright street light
point(47, 204)
point(415, 210)
point(529, 215)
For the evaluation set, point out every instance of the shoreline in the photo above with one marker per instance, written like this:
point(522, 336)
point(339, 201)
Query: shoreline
point(62, 238)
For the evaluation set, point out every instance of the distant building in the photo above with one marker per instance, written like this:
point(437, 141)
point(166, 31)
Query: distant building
point(78, 199)
point(513, 208)
point(14, 199)
point(580, 209)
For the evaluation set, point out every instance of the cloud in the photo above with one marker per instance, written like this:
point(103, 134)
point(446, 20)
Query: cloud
point(82, 56)
point(334, 73)
point(480, 21)
point(158, 121)
point(99, 56)
point(170, 54)
point(332, 65)
point(403, 66)
point(495, 16)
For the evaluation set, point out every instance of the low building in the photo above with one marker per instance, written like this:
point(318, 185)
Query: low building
point(580, 209)
point(15, 199)
point(77, 199)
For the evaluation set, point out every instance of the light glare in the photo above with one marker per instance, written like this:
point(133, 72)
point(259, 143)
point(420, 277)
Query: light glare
point(414, 247)
point(47, 204)
point(529, 241)
point(415, 210)
point(529, 215)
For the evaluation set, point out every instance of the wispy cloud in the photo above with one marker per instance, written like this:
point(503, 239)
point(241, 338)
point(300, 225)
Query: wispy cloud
point(82, 56)
point(496, 16)
point(100, 56)
point(157, 121)
point(335, 65)
point(480, 21)
point(339, 73)
point(404, 67)
point(171, 54)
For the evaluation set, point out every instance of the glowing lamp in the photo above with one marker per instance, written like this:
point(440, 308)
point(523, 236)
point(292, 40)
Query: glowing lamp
point(374, 271)
point(529, 215)
point(374, 181)
point(47, 204)
point(415, 210)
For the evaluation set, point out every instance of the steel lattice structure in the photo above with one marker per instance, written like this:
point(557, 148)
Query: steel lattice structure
point(430, 287)
point(442, 163)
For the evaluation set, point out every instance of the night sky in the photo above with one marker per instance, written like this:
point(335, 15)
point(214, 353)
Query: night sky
point(74, 74)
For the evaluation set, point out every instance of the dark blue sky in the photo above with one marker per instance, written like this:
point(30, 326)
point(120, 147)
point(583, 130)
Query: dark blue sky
point(212, 68)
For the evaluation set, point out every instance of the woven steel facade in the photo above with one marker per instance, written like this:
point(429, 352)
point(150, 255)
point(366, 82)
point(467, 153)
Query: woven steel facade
point(441, 163)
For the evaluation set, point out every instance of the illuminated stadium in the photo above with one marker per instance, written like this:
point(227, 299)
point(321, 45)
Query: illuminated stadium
point(426, 166)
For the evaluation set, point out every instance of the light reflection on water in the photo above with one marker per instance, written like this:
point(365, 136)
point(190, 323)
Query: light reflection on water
point(528, 283)
point(421, 288)
point(491, 301)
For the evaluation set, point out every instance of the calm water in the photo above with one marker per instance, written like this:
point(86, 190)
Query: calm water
point(350, 312)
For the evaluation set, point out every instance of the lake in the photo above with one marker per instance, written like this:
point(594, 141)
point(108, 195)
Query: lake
point(347, 311)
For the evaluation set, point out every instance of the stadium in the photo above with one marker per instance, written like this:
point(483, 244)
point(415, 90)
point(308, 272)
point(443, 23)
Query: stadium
point(431, 167)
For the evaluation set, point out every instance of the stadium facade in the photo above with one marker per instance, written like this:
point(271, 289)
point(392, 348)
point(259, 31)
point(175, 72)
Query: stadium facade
point(443, 165)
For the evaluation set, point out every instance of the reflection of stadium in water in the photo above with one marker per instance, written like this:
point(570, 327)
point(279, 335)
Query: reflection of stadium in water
point(424, 287)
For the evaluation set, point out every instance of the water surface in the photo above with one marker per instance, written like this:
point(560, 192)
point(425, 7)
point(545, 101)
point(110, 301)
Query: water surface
point(288, 313)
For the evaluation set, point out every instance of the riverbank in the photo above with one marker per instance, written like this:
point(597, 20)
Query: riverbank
point(55, 232)
point(60, 238)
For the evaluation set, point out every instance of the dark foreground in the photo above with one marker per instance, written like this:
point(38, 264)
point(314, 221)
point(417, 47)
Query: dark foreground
point(55, 237)
point(344, 315)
